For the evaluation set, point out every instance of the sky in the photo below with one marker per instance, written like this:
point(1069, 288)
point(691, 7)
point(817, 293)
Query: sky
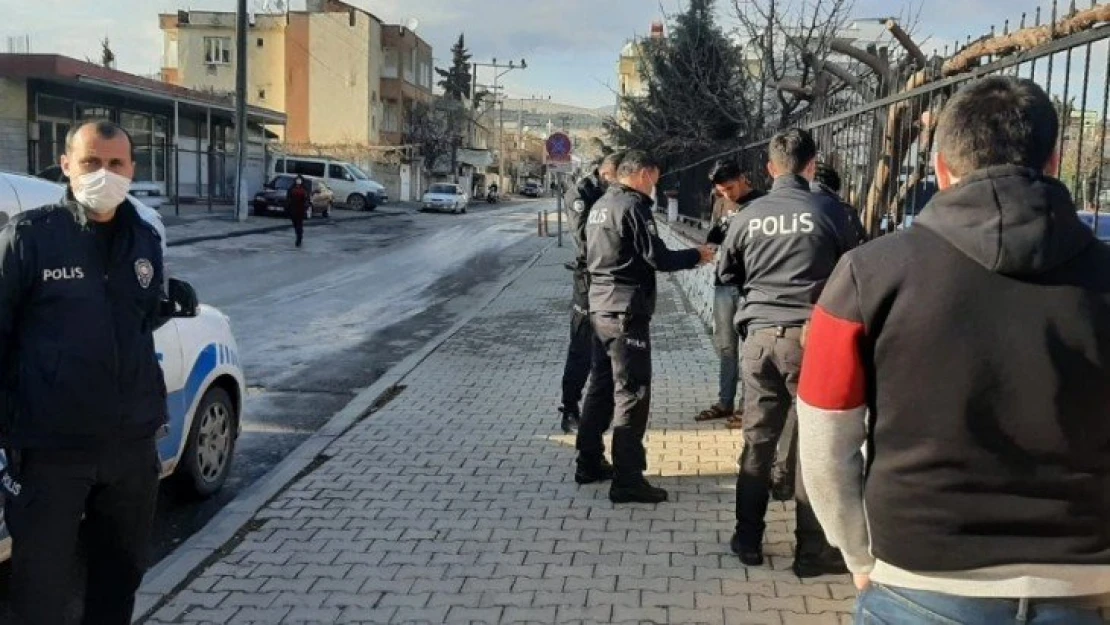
point(571, 45)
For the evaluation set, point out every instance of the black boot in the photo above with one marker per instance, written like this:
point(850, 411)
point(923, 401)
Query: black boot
point(827, 561)
point(590, 472)
point(570, 420)
point(749, 556)
point(636, 492)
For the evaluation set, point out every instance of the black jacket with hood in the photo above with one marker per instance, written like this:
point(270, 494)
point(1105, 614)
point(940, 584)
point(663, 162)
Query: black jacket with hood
point(985, 346)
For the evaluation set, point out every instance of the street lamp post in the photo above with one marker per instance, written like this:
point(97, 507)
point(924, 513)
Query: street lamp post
point(501, 129)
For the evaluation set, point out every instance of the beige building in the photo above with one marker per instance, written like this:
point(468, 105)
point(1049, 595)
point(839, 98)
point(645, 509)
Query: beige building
point(630, 76)
point(322, 67)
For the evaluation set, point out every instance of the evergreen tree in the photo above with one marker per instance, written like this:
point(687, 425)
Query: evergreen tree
point(456, 79)
point(107, 57)
point(698, 99)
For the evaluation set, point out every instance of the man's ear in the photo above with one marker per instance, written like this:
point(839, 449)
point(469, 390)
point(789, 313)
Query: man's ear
point(810, 172)
point(771, 169)
point(945, 178)
point(64, 162)
point(1052, 168)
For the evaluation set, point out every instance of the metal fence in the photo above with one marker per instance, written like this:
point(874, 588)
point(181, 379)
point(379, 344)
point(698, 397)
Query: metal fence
point(882, 149)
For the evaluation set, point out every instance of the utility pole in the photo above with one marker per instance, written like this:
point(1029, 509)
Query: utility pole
point(521, 141)
point(241, 111)
point(501, 132)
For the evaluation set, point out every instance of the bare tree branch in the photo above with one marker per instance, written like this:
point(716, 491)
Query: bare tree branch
point(907, 43)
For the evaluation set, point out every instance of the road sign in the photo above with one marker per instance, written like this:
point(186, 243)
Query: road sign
point(559, 148)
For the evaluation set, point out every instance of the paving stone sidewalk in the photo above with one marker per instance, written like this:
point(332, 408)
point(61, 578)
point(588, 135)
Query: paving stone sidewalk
point(455, 502)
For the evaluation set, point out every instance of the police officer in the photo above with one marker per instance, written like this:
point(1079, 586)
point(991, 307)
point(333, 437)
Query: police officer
point(579, 200)
point(623, 252)
point(82, 391)
point(732, 192)
point(782, 248)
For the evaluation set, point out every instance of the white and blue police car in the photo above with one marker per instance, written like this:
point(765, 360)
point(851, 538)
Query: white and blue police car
point(200, 361)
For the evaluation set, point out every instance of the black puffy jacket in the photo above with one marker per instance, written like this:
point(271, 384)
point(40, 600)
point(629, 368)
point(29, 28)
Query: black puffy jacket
point(76, 334)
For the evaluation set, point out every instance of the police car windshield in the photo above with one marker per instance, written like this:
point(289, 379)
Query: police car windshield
point(357, 173)
point(445, 189)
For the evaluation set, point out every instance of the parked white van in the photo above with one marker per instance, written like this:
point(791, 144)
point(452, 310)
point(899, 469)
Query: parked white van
point(352, 187)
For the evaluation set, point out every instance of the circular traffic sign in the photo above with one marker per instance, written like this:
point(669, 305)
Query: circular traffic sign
point(559, 145)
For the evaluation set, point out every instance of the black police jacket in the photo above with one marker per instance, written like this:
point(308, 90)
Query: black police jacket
point(781, 250)
point(579, 200)
point(623, 252)
point(76, 334)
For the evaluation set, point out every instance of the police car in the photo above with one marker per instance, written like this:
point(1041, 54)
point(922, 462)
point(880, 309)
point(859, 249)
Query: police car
point(200, 362)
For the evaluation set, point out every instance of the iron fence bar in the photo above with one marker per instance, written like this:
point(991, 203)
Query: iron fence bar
point(1102, 138)
point(1079, 179)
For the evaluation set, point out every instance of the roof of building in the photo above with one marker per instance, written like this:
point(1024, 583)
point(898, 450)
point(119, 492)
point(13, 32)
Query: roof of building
point(63, 69)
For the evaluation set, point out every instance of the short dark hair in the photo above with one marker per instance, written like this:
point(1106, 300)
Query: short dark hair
point(635, 161)
point(791, 150)
point(725, 171)
point(104, 129)
point(828, 176)
point(1000, 120)
point(613, 159)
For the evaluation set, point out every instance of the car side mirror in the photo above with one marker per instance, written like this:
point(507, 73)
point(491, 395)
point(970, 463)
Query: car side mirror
point(182, 298)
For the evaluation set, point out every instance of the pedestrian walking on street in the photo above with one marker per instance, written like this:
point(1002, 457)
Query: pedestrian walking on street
point(732, 192)
point(82, 395)
point(296, 204)
point(782, 248)
point(623, 253)
point(970, 354)
point(579, 201)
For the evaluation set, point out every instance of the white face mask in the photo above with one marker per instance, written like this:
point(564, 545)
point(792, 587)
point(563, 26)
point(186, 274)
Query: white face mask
point(101, 191)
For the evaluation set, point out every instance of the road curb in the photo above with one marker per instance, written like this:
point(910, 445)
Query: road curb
point(268, 229)
point(169, 576)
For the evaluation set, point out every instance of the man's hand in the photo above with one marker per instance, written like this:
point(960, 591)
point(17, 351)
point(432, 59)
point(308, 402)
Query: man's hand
point(862, 581)
point(708, 254)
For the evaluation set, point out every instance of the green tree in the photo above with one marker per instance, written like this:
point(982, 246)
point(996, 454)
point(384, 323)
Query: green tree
point(456, 79)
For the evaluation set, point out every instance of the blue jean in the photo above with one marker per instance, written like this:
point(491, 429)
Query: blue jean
point(884, 605)
point(726, 340)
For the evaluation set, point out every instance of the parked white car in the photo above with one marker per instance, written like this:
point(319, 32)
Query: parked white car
point(445, 197)
point(353, 188)
point(200, 362)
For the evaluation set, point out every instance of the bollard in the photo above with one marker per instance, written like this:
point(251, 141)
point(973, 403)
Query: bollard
point(539, 223)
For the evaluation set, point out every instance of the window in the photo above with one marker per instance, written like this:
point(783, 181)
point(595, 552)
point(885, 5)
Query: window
point(217, 50)
point(338, 172)
point(279, 165)
point(361, 175)
point(261, 94)
point(259, 42)
point(305, 168)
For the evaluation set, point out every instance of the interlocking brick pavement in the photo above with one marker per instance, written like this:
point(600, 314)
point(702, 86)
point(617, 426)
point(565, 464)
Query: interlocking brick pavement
point(456, 502)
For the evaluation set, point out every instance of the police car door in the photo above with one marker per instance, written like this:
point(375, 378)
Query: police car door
point(167, 344)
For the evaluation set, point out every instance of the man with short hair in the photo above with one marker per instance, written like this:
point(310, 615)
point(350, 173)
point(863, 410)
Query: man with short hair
point(623, 253)
point(82, 395)
point(782, 248)
point(826, 183)
point(579, 201)
point(970, 355)
point(733, 192)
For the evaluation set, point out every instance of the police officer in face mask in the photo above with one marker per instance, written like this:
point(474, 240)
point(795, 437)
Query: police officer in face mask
point(81, 392)
point(623, 252)
point(579, 201)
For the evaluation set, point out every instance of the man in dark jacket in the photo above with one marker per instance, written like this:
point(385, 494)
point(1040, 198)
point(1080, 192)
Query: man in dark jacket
point(782, 248)
point(826, 183)
point(623, 252)
point(83, 393)
point(733, 192)
point(970, 354)
point(578, 202)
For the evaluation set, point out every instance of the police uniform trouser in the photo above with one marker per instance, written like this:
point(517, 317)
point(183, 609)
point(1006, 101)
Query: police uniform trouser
point(772, 362)
point(114, 490)
point(580, 349)
point(619, 392)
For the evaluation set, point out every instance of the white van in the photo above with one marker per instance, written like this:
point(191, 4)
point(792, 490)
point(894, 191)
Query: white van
point(352, 187)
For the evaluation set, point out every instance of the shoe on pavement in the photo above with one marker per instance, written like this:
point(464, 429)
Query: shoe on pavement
point(748, 556)
point(716, 411)
point(593, 472)
point(570, 420)
point(639, 492)
point(829, 562)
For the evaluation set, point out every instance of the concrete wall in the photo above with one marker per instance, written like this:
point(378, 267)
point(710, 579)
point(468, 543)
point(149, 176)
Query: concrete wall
point(344, 104)
point(266, 62)
point(13, 125)
point(696, 284)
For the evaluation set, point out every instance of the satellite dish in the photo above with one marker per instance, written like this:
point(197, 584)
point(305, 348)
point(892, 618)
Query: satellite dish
point(412, 24)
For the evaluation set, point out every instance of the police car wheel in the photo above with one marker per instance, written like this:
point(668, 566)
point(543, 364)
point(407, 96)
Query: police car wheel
point(207, 460)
